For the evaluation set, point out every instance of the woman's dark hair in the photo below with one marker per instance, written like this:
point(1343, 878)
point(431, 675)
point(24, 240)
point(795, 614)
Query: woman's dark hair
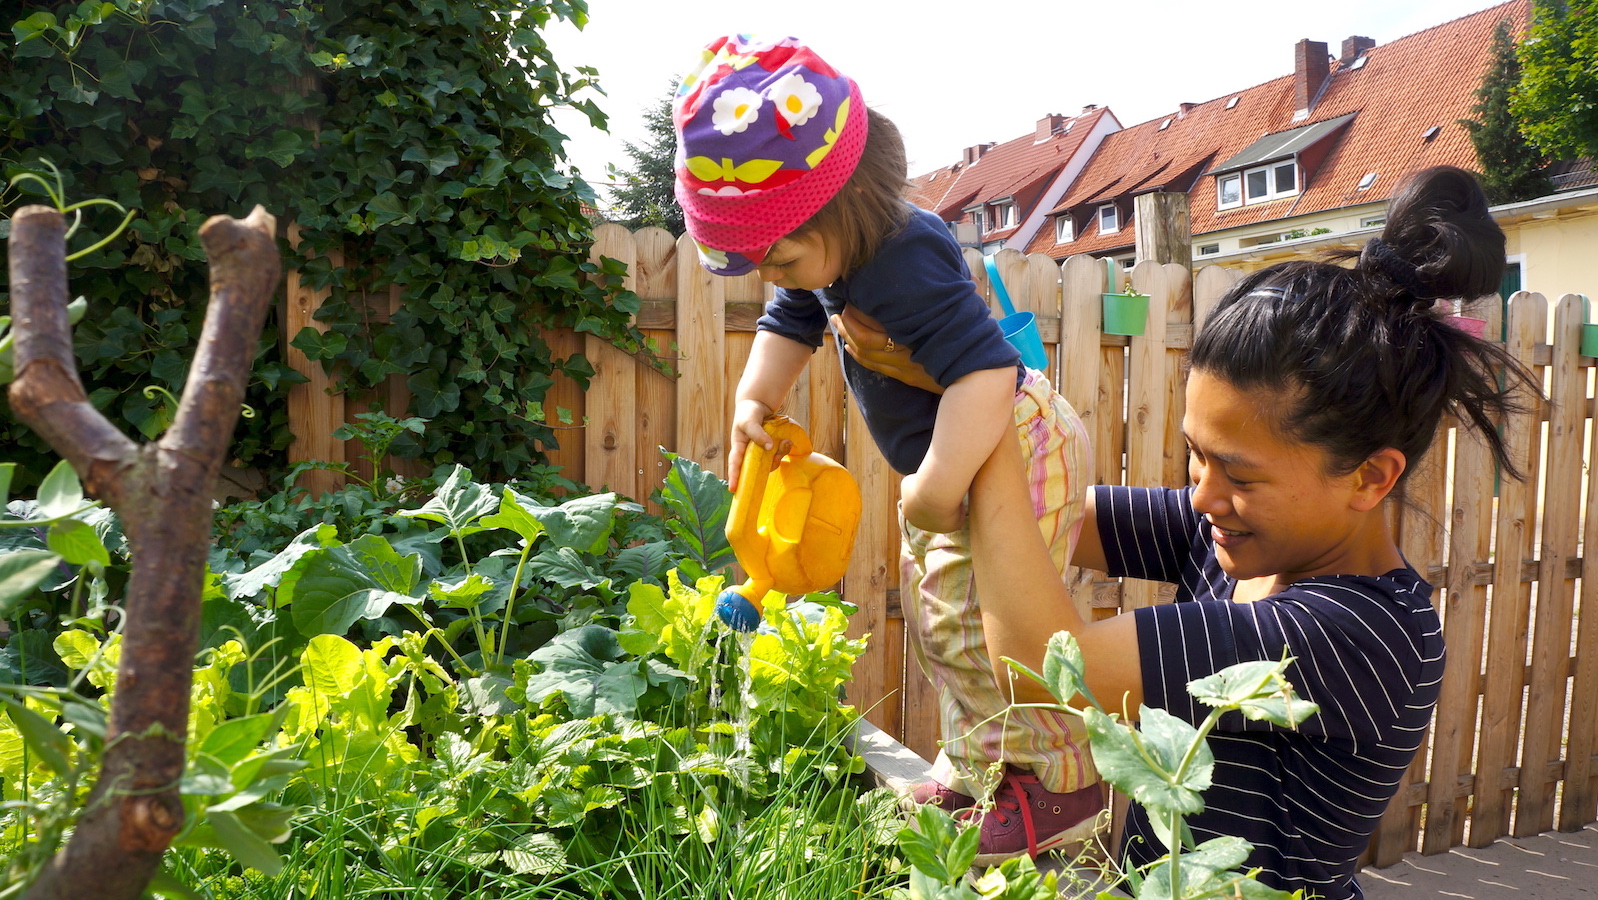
point(1359, 356)
point(870, 206)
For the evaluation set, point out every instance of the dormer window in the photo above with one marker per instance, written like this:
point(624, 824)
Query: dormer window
point(1002, 214)
point(1278, 179)
point(1256, 185)
point(1229, 190)
point(1109, 219)
point(1064, 229)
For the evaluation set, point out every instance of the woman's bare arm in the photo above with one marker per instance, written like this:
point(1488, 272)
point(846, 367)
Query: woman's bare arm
point(1023, 600)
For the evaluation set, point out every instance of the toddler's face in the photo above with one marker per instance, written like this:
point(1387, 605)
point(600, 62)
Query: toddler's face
point(806, 262)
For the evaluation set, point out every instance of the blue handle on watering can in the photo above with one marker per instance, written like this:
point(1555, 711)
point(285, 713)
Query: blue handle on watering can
point(1020, 329)
point(998, 285)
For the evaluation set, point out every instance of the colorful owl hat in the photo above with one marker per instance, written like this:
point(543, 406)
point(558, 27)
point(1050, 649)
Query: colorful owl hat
point(767, 133)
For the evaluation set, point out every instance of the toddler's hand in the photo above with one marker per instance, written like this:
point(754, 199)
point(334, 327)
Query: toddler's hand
point(926, 509)
point(747, 425)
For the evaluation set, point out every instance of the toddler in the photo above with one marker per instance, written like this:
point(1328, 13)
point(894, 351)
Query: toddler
point(782, 169)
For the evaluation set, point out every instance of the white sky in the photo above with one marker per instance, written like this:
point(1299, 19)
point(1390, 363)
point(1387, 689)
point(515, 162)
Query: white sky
point(953, 75)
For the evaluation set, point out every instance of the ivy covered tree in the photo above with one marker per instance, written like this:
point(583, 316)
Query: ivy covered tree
point(1557, 99)
point(406, 143)
point(1511, 168)
point(645, 195)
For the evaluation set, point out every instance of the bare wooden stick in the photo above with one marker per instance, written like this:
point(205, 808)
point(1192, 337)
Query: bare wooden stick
point(162, 492)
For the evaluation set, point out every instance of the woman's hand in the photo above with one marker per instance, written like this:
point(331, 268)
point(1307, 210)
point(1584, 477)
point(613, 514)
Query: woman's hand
point(865, 340)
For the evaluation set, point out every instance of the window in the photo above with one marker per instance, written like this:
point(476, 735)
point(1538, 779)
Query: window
point(1270, 182)
point(1064, 229)
point(1367, 181)
point(1229, 191)
point(1109, 218)
point(1209, 249)
point(1372, 221)
point(1166, 124)
point(1003, 215)
point(976, 218)
point(1231, 103)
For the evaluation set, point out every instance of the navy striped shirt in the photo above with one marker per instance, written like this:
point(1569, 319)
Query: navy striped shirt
point(1369, 651)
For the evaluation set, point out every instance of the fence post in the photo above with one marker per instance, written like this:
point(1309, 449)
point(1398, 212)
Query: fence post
point(1162, 228)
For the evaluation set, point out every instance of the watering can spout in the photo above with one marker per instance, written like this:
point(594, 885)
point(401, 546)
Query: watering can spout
point(792, 523)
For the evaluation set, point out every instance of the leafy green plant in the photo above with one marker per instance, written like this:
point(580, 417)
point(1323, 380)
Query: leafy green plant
point(941, 853)
point(1165, 765)
point(408, 146)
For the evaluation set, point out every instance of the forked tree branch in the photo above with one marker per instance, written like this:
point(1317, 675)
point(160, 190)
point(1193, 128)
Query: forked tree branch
point(162, 492)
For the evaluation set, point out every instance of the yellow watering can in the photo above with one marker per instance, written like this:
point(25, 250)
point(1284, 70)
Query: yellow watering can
point(792, 522)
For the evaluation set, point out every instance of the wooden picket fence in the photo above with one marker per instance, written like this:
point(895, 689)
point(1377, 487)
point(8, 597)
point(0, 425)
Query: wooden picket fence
point(1514, 745)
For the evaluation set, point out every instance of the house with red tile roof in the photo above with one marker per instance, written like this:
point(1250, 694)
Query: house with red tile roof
point(1001, 194)
point(1318, 151)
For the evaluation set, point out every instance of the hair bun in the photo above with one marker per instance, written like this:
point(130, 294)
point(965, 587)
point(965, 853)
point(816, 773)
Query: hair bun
point(1379, 257)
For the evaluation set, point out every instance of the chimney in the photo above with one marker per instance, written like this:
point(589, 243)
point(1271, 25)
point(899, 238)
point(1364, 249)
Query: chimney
point(1089, 108)
point(1310, 71)
point(1353, 47)
point(1183, 109)
point(1049, 126)
point(974, 153)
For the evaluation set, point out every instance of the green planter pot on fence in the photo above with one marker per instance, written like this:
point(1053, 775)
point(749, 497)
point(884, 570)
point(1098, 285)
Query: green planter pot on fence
point(1125, 313)
point(1589, 330)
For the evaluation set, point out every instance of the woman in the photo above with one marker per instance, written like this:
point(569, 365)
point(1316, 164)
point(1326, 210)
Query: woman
point(1313, 387)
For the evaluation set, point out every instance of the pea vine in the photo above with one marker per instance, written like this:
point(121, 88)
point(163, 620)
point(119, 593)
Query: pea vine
point(411, 141)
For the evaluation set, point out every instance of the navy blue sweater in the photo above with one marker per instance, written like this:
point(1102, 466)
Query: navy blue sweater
point(918, 287)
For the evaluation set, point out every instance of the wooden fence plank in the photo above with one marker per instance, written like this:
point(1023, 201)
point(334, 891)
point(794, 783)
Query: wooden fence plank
point(1581, 780)
point(1545, 702)
point(1210, 284)
point(702, 424)
point(608, 447)
point(1148, 399)
point(314, 412)
point(873, 570)
point(1042, 298)
point(1506, 639)
point(1082, 281)
point(654, 278)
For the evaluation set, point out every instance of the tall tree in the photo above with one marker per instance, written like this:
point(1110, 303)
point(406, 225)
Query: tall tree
point(1512, 168)
point(1557, 99)
point(645, 196)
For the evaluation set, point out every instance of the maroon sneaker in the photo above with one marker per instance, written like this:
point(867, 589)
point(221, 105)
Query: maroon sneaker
point(1026, 818)
point(940, 795)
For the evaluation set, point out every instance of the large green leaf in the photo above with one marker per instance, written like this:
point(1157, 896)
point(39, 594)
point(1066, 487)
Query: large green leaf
point(514, 514)
point(338, 586)
point(60, 494)
point(699, 503)
point(249, 848)
point(41, 735)
point(457, 503)
point(535, 854)
point(20, 572)
point(1121, 763)
point(582, 523)
point(78, 543)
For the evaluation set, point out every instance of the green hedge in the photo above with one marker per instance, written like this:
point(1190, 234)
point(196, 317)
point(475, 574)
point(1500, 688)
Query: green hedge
point(415, 136)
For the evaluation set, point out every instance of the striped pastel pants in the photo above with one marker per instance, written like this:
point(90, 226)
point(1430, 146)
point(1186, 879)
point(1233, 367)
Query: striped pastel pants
point(945, 622)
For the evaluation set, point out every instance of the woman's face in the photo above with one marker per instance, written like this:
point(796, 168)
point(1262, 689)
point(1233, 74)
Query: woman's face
point(1272, 507)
